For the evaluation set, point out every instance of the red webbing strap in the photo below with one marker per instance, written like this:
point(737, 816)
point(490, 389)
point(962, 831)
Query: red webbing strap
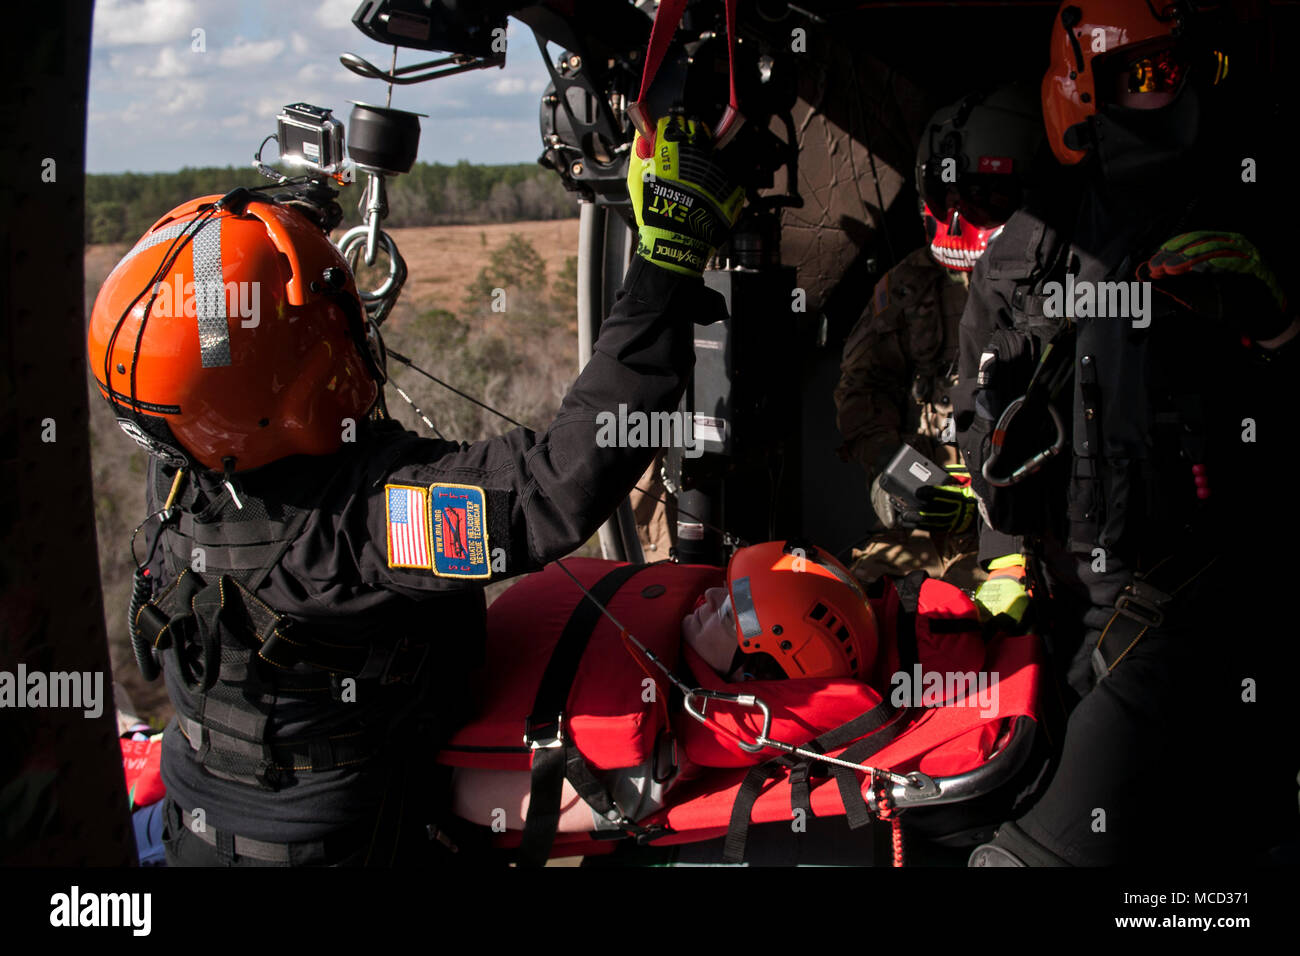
point(667, 19)
point(731, 120)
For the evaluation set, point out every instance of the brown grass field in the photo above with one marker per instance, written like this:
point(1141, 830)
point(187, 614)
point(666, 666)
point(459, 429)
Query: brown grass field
point(442, 259)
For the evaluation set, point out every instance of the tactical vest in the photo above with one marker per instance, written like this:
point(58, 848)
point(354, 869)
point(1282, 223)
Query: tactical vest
point(925, 307)
point(232, 661)
point(1131, 428)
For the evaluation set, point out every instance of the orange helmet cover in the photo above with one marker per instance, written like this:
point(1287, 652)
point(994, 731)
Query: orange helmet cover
point(247, 354)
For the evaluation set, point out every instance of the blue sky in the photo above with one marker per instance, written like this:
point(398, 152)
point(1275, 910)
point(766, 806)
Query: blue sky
point(156, 104)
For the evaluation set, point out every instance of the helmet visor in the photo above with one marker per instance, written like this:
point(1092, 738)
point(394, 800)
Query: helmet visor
point(984, 197)
point(1145, 76)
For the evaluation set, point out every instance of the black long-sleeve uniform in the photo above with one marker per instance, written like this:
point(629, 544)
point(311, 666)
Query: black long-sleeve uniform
point(1120, 500)
point(341, 579)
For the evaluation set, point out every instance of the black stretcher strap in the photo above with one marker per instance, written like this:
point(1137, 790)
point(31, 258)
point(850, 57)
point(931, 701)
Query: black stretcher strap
point(801, 789)
point(877, 733)
point(908, 589)
point(733, 849)
point(866, 728)
point(855, 807)
point(555, 759)
point(849, 731)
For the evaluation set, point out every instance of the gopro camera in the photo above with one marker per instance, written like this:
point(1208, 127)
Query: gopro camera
point(310, 137)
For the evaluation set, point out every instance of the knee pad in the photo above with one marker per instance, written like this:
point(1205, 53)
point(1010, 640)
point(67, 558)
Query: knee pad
point(1011, 846)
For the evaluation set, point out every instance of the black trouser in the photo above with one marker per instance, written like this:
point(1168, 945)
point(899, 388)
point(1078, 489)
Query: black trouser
point(1163, 760)
point(398, 834)
point(212, 847)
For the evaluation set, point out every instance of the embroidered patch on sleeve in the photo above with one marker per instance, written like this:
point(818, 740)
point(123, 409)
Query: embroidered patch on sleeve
point(408, 526)
point(458, 526)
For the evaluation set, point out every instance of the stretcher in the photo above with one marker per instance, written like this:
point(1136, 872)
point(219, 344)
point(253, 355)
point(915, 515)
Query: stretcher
point(589, 680)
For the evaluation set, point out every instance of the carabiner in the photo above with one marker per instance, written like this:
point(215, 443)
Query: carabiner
point(740, 700)
point(1029, 465)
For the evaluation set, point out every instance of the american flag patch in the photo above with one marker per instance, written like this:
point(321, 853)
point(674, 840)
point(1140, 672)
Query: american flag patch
point(408, 526)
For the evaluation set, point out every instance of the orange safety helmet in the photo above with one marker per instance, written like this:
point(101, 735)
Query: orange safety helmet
point(232, 335)
point(797, 606)
point(1097, 42)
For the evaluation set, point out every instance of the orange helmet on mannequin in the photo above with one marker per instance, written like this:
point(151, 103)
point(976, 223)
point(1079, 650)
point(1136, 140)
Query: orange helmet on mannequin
point(231, 336)
point(798, 606)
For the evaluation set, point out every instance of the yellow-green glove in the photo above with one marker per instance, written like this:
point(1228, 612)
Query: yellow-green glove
point(950, 507)
point(1221, 276)
point(684, 202)
point(1004, 592)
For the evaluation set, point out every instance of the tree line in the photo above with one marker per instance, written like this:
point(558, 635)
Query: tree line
point(120, 207)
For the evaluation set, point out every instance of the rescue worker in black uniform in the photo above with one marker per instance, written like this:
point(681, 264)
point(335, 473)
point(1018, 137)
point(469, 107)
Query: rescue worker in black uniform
point(1128, 469)
point(314, 588)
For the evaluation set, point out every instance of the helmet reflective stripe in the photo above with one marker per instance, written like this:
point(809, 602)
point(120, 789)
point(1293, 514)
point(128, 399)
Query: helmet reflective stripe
point(210, 296)
point(209, 290)
point(148, 242)
point(746, 616)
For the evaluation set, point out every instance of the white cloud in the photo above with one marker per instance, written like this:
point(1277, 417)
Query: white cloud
point(262, 56)
point(336, 14)
point(312, 73)
point(182, 97)
point(128, 22)
point(508, 85)
point(268, 108)
point(245, 53)
point(168, 65)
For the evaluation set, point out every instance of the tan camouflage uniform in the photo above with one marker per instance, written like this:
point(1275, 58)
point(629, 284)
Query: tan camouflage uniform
point(899, 364)
point(656, 523)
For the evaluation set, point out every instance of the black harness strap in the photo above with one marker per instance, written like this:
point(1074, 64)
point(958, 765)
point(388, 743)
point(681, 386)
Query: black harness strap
point(1143, 604)
point(555, 759)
